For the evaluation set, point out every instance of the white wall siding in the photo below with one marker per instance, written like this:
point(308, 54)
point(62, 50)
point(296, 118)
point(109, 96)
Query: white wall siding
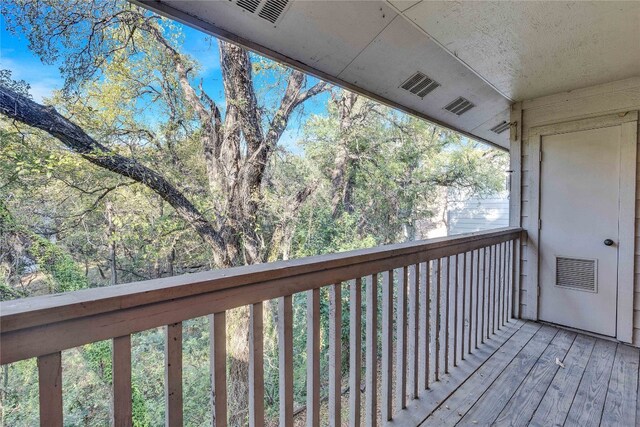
point(611, 98)
point(477, 214)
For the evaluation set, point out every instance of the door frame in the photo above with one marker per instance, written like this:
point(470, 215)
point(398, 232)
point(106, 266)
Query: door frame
point(627, 210)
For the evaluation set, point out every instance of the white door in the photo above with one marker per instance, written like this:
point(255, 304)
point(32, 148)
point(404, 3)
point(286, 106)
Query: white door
point(579, 213)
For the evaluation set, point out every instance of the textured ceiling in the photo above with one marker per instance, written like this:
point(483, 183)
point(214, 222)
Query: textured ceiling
point(491, 53)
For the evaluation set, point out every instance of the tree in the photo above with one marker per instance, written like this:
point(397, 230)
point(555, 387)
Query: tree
point(101, 36)
point(135, 163)
point(237, 146)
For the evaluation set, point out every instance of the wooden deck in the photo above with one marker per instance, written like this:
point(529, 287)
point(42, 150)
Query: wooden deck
point(515, 380)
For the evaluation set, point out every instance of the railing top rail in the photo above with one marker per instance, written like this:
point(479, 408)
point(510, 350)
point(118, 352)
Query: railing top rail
point(35, 311)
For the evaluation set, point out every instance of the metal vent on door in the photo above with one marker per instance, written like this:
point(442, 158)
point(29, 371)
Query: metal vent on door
point(576, 273)
point(459, 106)
point(269, 10)
point(419, 84)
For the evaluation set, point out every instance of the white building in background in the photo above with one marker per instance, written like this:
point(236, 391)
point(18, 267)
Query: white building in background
point(458, 213)
point(477, 214)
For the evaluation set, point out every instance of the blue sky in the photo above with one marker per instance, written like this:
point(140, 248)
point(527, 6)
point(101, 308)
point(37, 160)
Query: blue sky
point(44, 79)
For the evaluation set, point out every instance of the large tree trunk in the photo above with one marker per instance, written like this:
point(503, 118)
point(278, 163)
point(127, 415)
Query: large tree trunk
point(341, 175)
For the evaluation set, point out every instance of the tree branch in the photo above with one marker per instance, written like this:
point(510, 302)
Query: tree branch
point(23, 110)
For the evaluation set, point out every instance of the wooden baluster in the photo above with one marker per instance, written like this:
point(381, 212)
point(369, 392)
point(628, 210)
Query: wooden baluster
point(313, 358)
point(285, 359)
point(401, 341)
point(256, 365)
point(387, 346)
point(499, 286)
point(413, 335)
point(455, 310)
point(505, 275)
point(484, 300)
point(424, 322)
point(355, 353)
point(503, 269)
point(472, 325)
point(438, 314)
point(446, 317)
point(496, 290)
point(50, 389)
point(335, 354)
point(511, 272)
point(371, 380)
point(173, 374)
point(464, 302)
point(122, 404)
point(489, 292)
point(218, 360)
point(478, 287)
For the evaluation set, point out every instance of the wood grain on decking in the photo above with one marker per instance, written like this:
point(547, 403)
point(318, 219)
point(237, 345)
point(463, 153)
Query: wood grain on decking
point(520, 383)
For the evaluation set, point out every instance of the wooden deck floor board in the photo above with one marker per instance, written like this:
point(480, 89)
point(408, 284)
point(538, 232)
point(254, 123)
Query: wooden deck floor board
point(588, 403)
point(519, 383)
point(620, 404)
point(522, 405)
point(418, 409)
point(555, 405)
point(495, 398)
point(449, 413)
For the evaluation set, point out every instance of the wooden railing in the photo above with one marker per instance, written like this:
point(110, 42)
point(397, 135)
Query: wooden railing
point(450, 295)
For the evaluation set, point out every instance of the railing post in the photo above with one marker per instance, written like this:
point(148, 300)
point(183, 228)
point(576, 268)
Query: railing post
point(455, 311)
point(464, 303)
point(173, 375)
point(438, 316)
point(387, 346)
point(218, 322)
point(371, 383)
point(256, 365)
point(401, 340)
point(472, 324)
point(122, 404)
point(355, 350)
point(446, 317)
point(335, 354)
point(425, 293)
point(50, 389)
point(285, 359)
point(313, 358)
point(413, 344)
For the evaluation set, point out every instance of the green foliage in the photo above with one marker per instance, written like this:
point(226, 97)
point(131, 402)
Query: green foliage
point(74, 220)
point(65, 274)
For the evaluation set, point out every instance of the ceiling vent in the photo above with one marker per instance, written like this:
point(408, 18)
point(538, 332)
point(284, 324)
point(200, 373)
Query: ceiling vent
point(459, 106)
point(269, 10)
point(419, 84)
point(500, 127)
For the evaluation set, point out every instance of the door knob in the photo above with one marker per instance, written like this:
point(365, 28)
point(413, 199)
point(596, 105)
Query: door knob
point(608, 242)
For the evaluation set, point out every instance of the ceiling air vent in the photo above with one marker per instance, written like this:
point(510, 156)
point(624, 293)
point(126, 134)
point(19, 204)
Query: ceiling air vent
point(419, 84)
point(249, 5)
point(269, 10)
point(272, 10)
point(459, 106)
point(500, 127)
point(576, 273)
